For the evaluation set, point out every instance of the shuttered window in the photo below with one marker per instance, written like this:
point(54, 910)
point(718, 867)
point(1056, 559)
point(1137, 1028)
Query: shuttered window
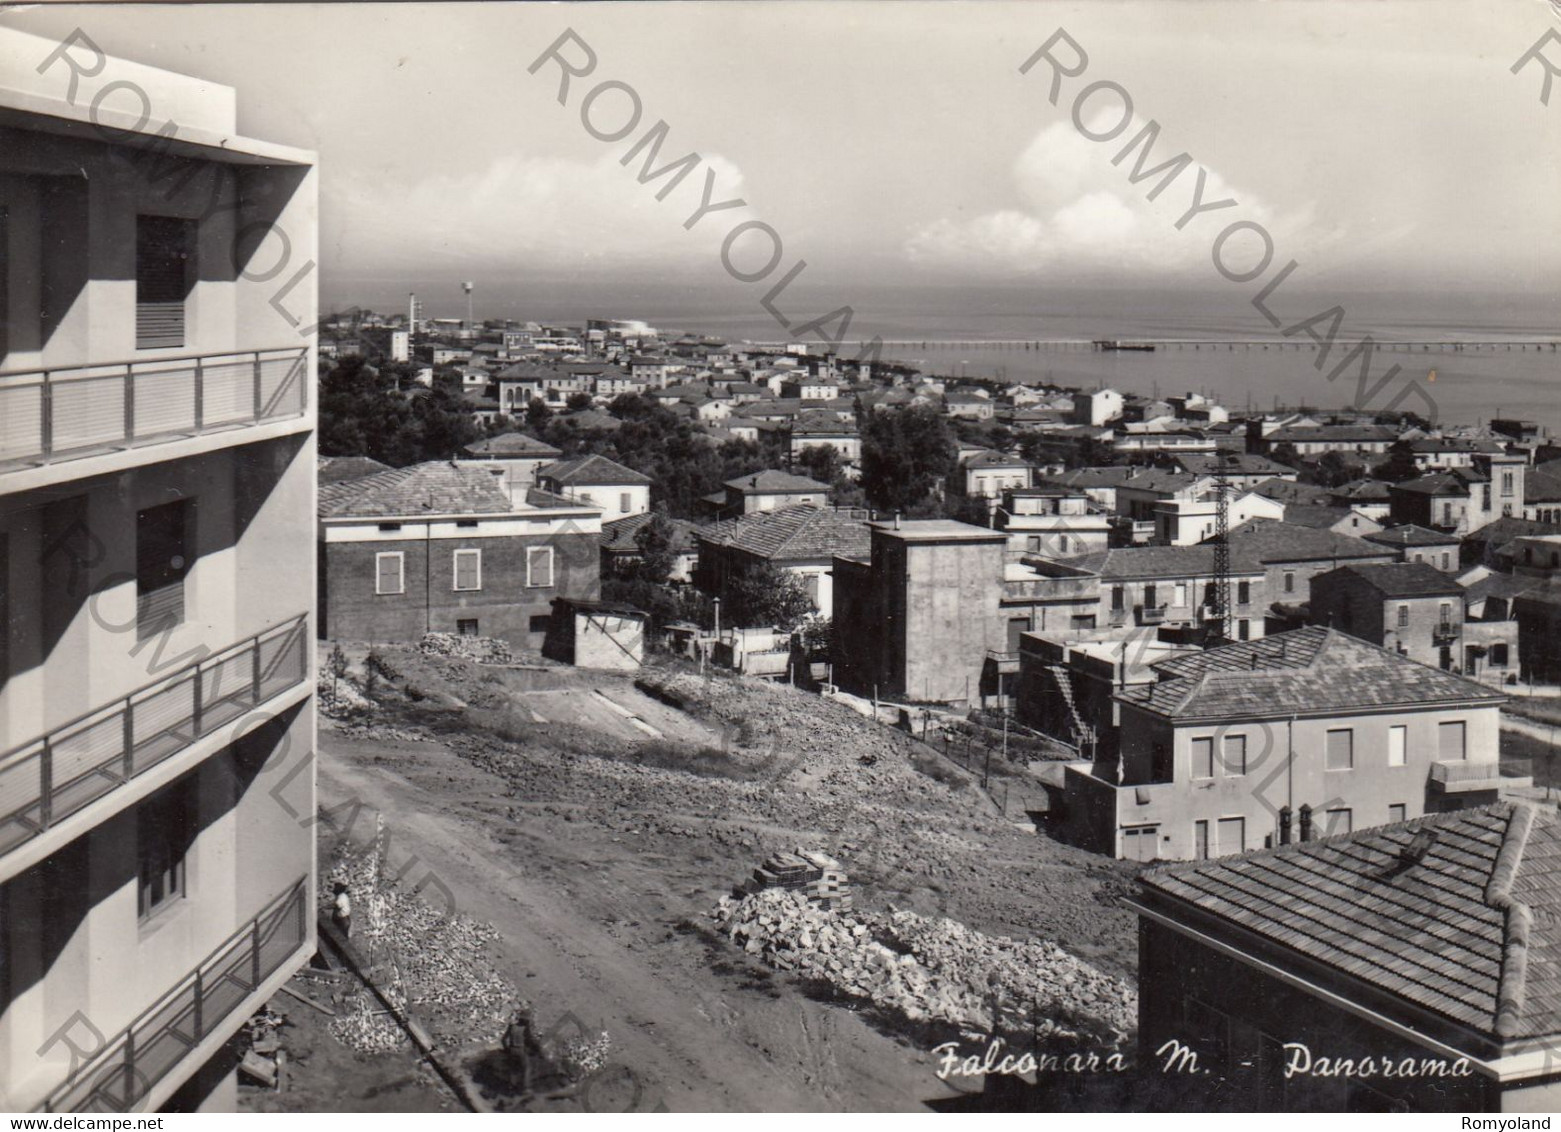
point(1341, 749)
point(390, 572)
point(539, 566)
point(468, 569)
point(1203, 758)
point(1232, 834)
point(165, 247)
point(1450, 740)
point(165, 829)
point(1337, 821)
point(1235, 754)
point(162, 562)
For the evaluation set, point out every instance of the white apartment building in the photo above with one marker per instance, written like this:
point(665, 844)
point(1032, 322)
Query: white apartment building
point(157, 579)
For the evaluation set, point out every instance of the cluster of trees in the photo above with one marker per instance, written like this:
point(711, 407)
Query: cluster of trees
point(380, 412)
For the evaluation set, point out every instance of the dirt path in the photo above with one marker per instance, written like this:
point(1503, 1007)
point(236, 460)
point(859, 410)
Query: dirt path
point(596, 926)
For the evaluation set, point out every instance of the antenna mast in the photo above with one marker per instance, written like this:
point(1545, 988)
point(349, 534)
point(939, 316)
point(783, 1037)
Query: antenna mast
point(1219, 623)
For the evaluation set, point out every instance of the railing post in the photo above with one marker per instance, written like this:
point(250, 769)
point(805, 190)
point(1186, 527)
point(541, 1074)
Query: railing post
point(130, 1068)
point(200, 995)
point(254, 951)
point(45, 783)
point(196, 714)
point(47, 414)
point(200, 396)
point(254, 671)
point(130, 402)
point(130, 739)
point(259, 402)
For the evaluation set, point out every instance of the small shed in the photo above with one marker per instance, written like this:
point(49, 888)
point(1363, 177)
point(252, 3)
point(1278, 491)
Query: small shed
point(596, 634)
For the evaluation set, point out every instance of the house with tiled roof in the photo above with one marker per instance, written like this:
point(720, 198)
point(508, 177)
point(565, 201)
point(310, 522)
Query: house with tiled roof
point(446, 547)
point(600, 482)
point(1433, 453)
point(1463, 499)
point(801, 540)
point(1415, 543)
point(1242, 469)
point(768, 490)
point(1291, 555)
point(1340, 520)
point(1410, 967)
point(1172, 587)
point(620, 546)
point(1306, 732)
point(988, 473)
point(1352, 439)
point(824, 430)
point(1411, 608)
point(516, 455)
point(334, 469)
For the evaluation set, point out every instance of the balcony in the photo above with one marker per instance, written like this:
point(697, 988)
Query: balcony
point(54, 415)
point(51, 778)
point(129, 1066)
point(1006, 663)
point(1444, 633)
point(1466, 778)
point(1151, 614)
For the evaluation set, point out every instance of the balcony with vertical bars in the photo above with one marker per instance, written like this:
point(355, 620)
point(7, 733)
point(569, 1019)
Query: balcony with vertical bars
point(47, 781)
point(53, 415)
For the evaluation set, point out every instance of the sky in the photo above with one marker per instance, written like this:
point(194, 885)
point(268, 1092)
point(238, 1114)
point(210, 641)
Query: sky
point(1381, 145)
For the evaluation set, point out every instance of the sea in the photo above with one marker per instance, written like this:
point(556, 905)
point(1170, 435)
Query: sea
point(1461, 358)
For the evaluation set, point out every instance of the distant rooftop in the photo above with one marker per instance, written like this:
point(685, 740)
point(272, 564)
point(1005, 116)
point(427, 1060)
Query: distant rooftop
point(937, 530)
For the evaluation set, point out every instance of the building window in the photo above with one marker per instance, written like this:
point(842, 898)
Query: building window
point(1289, 582)
point(162, 563)
point(1203, 758)
point(539, 566)
point(1506, 483)
point(390, 526)
point(1232, 836)
point(1235, 755)
point(1033, 542)
point(1149, 596)
point(466, 627)
point(165, 252)
point(466, 523)
point(1341, 749)
point(165, 830)
point(1450, 738)
point(1403, 617)
point(1243, 593)
point(1200, 840)
point(1243, 630)
point(540, 622)
point(623, 502)
point(1181, 595)
point(1398, 743)
point(390, 572)
point(1498, 656)
point(468, 569)
point(1336, 821)
point(1398, 812)
point(1118, 597)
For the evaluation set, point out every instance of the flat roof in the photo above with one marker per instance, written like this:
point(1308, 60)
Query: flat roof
point(938, 530)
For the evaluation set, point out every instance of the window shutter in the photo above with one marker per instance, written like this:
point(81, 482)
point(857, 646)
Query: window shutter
point(539, 566)
point(1450, 740)
point(1341, 749)
point(164, 248)
point(1203, 758)
point(388, 580)
point(467, 567)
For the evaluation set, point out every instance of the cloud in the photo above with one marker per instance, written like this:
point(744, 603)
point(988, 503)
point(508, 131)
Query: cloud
point(532, 212)
point(1079, 213)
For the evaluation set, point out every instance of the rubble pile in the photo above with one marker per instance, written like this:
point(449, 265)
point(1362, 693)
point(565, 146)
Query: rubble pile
point(820, 878)
point(435, 964)
point(263, 1060)
point(933, 971)
point(488, 650)
point(339, 697)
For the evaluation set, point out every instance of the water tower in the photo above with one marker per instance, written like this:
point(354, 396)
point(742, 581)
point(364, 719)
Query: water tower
point(467, 287)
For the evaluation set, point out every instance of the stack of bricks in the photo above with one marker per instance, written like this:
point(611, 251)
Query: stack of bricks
point(817, 876)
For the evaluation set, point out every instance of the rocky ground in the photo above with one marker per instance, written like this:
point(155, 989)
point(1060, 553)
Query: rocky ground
point(595, 823)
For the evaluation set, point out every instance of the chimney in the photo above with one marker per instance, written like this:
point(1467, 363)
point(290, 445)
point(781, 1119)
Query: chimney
point(1284, 825)
point(1306, 822)
point(896, 520)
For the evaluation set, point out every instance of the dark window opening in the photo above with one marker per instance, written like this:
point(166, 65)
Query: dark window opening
point(165, 830)
point(162, 562)
point(165, 253)
point(466, 627)
point(390, 526)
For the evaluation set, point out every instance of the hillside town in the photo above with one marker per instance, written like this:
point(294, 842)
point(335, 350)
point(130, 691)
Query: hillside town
point(413, 713)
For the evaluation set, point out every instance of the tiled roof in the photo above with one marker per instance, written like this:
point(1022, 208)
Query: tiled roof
point(1542, 485)
point(1470, 932)
point(1434, 444)
point(590, 470)
point(991, 458)
point(1235, 463)
point(335, 469)
point(1093, 477)
point(1455, 482)
point(1365, 490)
point(767, 481)
point(1400, 579)
point(1267, 541)
point(1310, 671)
point(1313, 516)
point(438, 488)
point(1126, 563)
point(1288, 492)
point(513, 444)
point(1499, 532)
point(794, 533)
point(618, 535)
point(1338, 433)
point(1411, 535)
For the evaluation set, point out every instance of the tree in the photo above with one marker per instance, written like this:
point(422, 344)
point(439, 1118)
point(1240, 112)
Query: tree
point(1333, 470)
point(363, 414)
point(767, 596)
point(658, 552)
point(578, 401)
point(906, 456)
point(1284, 452)
point(1400, 464)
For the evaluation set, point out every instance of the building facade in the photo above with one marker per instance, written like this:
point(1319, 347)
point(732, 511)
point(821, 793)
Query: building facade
point(157, 454)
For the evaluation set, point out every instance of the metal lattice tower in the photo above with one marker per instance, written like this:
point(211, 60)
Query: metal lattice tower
point(1219, 624)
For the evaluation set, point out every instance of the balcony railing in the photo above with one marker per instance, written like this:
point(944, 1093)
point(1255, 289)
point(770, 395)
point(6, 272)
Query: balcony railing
point(53, 777)
point(1444, 632)
point(129, 1067)
point(1151, 614)
point(1457, 777)
point(48, 415)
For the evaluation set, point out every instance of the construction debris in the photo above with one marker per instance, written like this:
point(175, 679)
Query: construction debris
point(487, 650)
point(818, 876)
point(934, 970)
point(263, 1057)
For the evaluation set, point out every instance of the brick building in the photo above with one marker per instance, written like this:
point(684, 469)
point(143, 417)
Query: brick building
point(442, 547)
point(1411, 608)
